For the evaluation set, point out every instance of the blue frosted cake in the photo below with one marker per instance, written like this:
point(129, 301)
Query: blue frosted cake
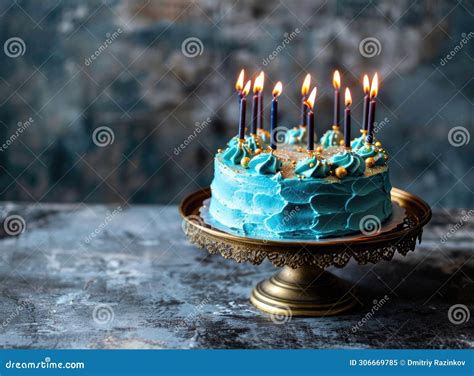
point(290, 193)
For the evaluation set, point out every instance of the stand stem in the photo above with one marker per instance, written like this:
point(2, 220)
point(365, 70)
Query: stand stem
point(306, 291)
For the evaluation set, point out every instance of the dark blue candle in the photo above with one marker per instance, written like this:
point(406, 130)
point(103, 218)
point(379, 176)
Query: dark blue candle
point(347, 119)
point(336, 83)
point(260, 79)
point(310, 119)
point(370, 129)
point(373, 94)
point(274, 115)
point(255, 106)
point(243, 109)
point(365, 119)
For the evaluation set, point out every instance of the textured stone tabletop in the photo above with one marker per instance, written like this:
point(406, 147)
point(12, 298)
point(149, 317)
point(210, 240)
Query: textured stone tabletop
point(112, 277)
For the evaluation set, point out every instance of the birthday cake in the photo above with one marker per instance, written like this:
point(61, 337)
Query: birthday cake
point(291, 190)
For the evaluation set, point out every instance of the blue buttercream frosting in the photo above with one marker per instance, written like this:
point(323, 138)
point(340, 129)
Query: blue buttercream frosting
point(358, 142)
point(372, 151)
point(265, 164)
point(353, 163)
point(252, 142)
point(269, 200)
point(312, 168)
point(331, 138)
point(296, 135)
point(235, 152)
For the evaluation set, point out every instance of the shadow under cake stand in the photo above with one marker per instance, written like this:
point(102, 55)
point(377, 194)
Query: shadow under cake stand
point(302, 287)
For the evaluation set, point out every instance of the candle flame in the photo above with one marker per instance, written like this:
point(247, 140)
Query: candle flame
point(310, 101)
point(240, 81)
point(374, 89)
point(258, 84)
point(277, 89)
point(246, 89)
point(336, 80)
point(262, 79)
point(366, 84)
point(348, 97)
point(306, 85)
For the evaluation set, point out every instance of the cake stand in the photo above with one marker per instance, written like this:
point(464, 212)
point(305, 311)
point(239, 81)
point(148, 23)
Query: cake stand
point(302, 287)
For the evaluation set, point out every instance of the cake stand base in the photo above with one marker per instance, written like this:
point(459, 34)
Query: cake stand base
point(305, 291)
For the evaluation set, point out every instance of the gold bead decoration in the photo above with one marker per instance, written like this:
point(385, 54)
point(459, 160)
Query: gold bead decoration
point(341, 142)
point(319, 149)
point(219, 150)
point(370, 162)
point(258, 151)
point(245, 162)
point(341, 172)
point(378, 144)
point(385, 156)
point(311, 165)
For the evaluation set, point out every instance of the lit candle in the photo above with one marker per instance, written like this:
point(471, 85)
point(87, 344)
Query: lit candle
point(365, 119)
point(336, 83)
point(239, 85)
point(373, 94)
point(260, 101)
point(243, 108)
point(255, 104)
point(304, 96)
point(310, 119)
point(347, 119)
point(274, 114)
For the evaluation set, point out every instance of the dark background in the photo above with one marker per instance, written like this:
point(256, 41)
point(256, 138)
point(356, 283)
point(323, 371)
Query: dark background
point(151, 94)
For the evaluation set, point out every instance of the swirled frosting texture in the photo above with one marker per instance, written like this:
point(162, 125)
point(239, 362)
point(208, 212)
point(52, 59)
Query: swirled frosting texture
point(312, 168)
point(271, 207)
point(371, 151)
point(358, 142)
point(331, 138)
point(265, 164)
point(296, 135)
point(235, 152)
point(353, 163)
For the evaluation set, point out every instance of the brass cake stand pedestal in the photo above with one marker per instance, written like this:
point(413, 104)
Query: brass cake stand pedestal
point(303, 287)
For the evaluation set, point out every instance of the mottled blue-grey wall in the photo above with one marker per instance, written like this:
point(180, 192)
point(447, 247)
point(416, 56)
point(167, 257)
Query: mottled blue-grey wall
point(151, 91)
